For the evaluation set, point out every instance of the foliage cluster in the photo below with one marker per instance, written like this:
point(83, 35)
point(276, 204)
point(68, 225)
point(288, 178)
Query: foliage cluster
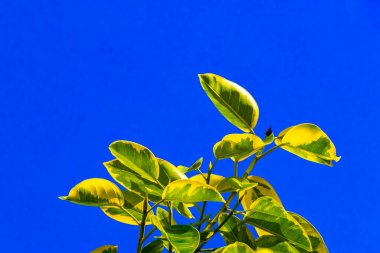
point(154, 188)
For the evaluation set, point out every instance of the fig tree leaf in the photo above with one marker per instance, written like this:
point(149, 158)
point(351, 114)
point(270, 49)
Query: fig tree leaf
point(237, 247)
point(214, 179)
point(267, 214)
point(231, 184)
point(95, 192)
point(155, 246)
point(238, 146)
point(133, 181)
point(105, 249)
point(189, 191)
point(171, 171)
point(275, 244)
point(184, 239)
point(316, 239)
point(132, 210)
point(232, 101)
point(136, 157)
point(309, 142)
point(233, 230)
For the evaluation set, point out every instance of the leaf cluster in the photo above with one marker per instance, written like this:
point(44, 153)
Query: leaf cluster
point(153, 188)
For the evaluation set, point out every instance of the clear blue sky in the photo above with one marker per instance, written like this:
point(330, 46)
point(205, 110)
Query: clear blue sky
point(77, 75)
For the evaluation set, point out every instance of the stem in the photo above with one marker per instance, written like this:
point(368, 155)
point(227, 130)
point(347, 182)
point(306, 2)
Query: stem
point(148, 234)
point(199, 249)
point(142, 225)
point(270, 150)
point(156, 204)
point(207, 182)
point(170, 223)
point(236, 168)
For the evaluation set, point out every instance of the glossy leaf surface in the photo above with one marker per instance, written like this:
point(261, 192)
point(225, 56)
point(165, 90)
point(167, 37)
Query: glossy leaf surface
point(170, 170)
point(155, 246)
point(95, 192)
point(232, 101)
point(269, 215)
point(184, 239)
point(237, 247)
point(105, 249)
point(235, 184)
point(132, 210)
point(189, 191)
point(309, 142)
point(275, 244)
point(136, 157)
point(263, 188)
point(316, 239)
point(133, 181)
point(237, 146)
point(214, 179)
point(197, 165)
point(233, 230)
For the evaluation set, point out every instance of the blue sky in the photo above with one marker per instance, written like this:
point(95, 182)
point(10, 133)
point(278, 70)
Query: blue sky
point(77, 75)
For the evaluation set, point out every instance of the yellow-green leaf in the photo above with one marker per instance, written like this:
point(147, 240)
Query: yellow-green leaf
point(233, 230)
point(182, 209)
point(309, 142)
point(95, 192)
point(275, 244)
point(316, 239)
point(237, 247)
point(132, 210)
point(155, 246)
point(231, 184)
point(232, 101)
point(184, 239)
point(171, 171)
point(267, 214)
point(214, 179)
point(133, 181)
point(136, 157)
point(105, 249)
point(196, 166)
point(238, 146)
point(263, 188)
point(189, 191)
point(163, 217)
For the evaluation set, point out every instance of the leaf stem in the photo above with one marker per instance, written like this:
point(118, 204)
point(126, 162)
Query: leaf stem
point(142, 225)
point(156, 204)
point(270, 150)
point(170, 223)
point(207, 182)
point(236, 168)
point(221, 224)
point(149, 234)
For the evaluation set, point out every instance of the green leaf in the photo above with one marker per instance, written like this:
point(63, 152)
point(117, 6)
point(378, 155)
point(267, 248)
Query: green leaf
point(316, 239)
point(267, 214)
point(132, 211)
point(105, 249)
point(275, 244)
point(238, 146)
point(231, 184)
point(237, 247)
point(196, 166)
point(232, 101)
point(182, 209)
point(233, 230)
point(171, 171)
point(133, 181)
point(136, 157)
point(309, 142)
point(214, 179)
point(163, 217)
point(184, 239)
point(155, 246)
point(189, 191)
point(262, 189)
point(95, 192)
